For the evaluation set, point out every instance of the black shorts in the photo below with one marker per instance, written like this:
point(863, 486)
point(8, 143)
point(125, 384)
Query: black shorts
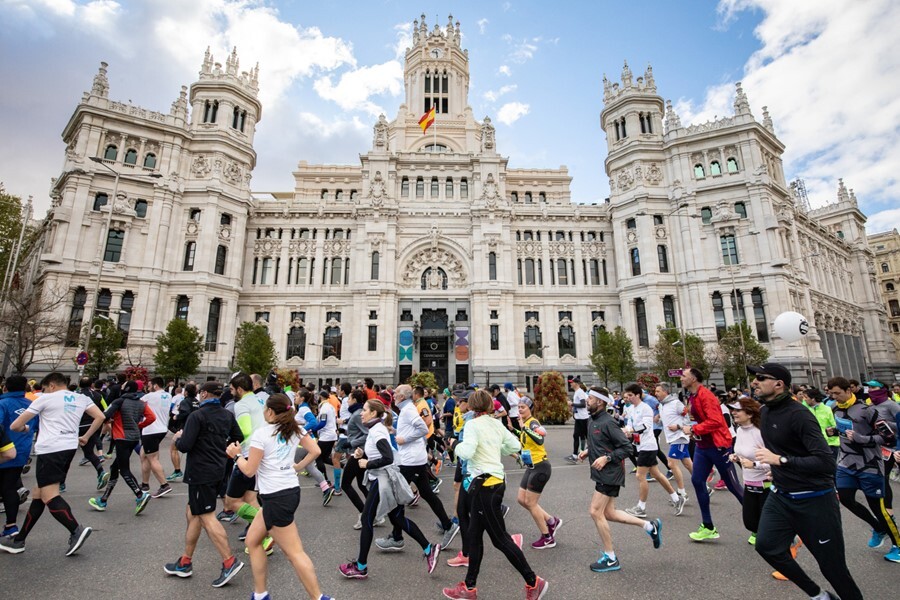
point(278, 508)
point(150, 443)
point(239, 484)
point(607, 490)
point(457, 475)
point(646, 458)
point(52, 467)
point(535, 478)
point(202, 498)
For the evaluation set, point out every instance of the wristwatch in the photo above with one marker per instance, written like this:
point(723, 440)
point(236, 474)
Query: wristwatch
point(783, 460)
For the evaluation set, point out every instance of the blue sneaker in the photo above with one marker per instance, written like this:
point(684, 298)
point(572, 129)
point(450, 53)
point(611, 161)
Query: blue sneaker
point(97, 504)
point(877, 539)
point(179, 568)
point(893, 555)
point(605, 563)
point(656, 534)
point(141, 503)
point(266, 597)
point(227, 574)
point(10, 531)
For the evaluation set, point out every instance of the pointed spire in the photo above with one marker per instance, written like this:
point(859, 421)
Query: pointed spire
point(457, 37)
point(450, 27)
point(423, 28)
point(415, 32)
point(842, 194)
point(853, 197)
point(626, 76)
point(232, 64)
point(741, 104)
point(254, 77)
point(101, 83)
point(649, 82)
point(607, 89)
point(673, 121)
point(767, 120)
point(207, 66)
point(179, 107)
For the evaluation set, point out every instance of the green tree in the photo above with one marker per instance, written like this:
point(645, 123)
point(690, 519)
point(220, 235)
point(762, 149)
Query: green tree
point(178, 350)
point(106, 340)
point(600, 358)
point(668, 354)
point(735, 357)
point(424, 378)
point(254, 350)
point(613, 357)
point(551, 405)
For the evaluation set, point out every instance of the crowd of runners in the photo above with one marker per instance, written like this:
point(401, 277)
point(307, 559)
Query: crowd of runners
point(790, 455)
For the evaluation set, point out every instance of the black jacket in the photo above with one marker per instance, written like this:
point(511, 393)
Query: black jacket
point(206, 434)
point(790, 429)
point(605, 438)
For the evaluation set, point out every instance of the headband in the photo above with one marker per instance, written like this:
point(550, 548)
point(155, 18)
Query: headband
point(601, 396)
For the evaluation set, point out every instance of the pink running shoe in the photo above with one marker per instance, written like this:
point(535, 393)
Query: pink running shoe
point(352, 571)
point(553, 526)
point(544, 542)
point(537, 592)
point(460, 591)
point(458, 561)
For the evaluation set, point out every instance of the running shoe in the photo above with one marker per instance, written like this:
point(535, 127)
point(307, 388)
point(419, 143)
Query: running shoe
point(544, 542)
point(62, 488)
point(517, 539)
point(650, 478)
point(145, 487)
point(461, 592)
point(436, 484)
point(431, 557)
point(415, 501)
point(327, 495)
point(458, 561)
point(10, 544)
point(141, 503)
point(304, 472)
point(268, 545)
point(877, 539)
point(553, 526)
point(720, 485)
point(605, 563)
point(108, 455)
point(893, 555)
point(656, 534)
point(536, 591)
point(338, 492)
point(76, 540)
point(637, 511)
point(228, 574)
point(572, 459)
point(449, 535)
point(633, 470)
point(678, 505)
point(243, 535)
point(358, 524)
point(97, 504)
point(752, 539)
point(179, 568)
point(227, 516)
point(162, 491)
point(10, 531)
point(83, 462)
point(389, 544)
point(703, 534)
point(102, 480)
point(380, 521)
point(669, 475)
point(352, 571)
point(175, 476)
point(266, 597)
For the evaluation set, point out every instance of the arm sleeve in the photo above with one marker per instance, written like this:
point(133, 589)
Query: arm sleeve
point(578, 401)
point(235, 434)
point(622, 447)
point(189, 434)
point(149, 417)
point(820, 459)
point(466, 448)
point(387, 455)
point(510, 443)
point(535, 431)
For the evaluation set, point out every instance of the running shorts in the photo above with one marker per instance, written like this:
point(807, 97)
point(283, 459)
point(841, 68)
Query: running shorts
point(52, 467)
point(239, 484)
point(871, 484)
point(646, 458)
point(678, 451)
point(607, 490)
point(535, 478)
point(150, 443)
point(202, 498)
point(279, 507)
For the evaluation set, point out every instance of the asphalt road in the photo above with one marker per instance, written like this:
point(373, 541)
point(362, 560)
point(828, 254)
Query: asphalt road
point(124, 556)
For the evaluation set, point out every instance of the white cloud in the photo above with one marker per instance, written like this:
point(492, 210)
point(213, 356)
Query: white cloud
point(403, 31)
point(507, 6)
point(311, 124)
point(482, 25)
point(884, 220)
point(504, 70)
point(511, 112)
point(492, 96)
point(355, 87)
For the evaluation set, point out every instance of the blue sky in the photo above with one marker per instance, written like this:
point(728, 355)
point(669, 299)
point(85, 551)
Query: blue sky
point(828, 70)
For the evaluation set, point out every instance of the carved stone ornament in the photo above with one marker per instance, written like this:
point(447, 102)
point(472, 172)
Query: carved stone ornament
point(567, 359)
point(123, 205)
point(723, 211)
point(624, 180)
point(224, 232)
point(376, 190)
point(654, 174)
point(566, 322)
point(380, 141)
point(532, 322)
point(267, 247)
point(201, 166)
point(632, 236)
point(529, 248)
point(233, 173)
point(299, 247)
point(534, 359)
point(493, 241)
point(434, 259)
point(331, 361)
point(595, 249)
point(487, 135)
point(660, 232)
point(298, 323)
point(294, 361)
point(192, 228)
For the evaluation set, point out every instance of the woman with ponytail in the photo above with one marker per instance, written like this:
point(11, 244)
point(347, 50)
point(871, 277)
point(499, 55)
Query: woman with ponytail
point(271, 461)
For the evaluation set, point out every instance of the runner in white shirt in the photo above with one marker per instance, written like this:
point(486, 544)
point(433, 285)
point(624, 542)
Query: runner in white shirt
point(270, 461)
point(327, 434)
point(513, 398)
point(672, 415)
point(640, 424)
point(60, 411)
point(160, 402)
point(578, 404)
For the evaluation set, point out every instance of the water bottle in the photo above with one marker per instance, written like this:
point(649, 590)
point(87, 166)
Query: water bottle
point(526, 459)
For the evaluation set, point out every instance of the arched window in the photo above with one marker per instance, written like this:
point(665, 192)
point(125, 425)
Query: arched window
point(434, 279)
point(296, 343)
point(339, 195)
point(669, 311)
point(542, 197)
point(719, 314)
point(104, 301)
point(885, 268)
point(336, 271)
point(100, 199)
point(236, 118)
point(435, 148)
point(210, 111)
point(640, 314)
point(323, 195)
point(301, 275)
point(514, 196)
point(715, 168)
point(759, 315)
point(741, 209)
point(527, 197)
point(894, 306)
point(566, 341)
point(889, 287)
point(115, 239)
point(190, 251)
point(635, 262)
point(331, 343)
point(404, 187)
point(376, 266)
point(534, 344)
point(492, 266)
point(221, 256)
point(353, 194)
point(663, 258)
point(435, 187)
point(463, 188)
point(131, 157)
point(73, 333)
point(125, 309)
point(840, 234)
point(895, 327)
point(111, 152)
point(140, 208)
point(420, 187)
point(182, 306)
point(706, 215)
point(212, 324)
point(150, 161)
point(732, 165)
point(699, 173)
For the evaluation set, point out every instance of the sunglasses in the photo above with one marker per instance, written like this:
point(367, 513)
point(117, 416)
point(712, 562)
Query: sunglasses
point(765, 378)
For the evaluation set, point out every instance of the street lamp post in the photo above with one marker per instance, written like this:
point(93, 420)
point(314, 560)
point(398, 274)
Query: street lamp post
point(739, 305)
point(110, 203)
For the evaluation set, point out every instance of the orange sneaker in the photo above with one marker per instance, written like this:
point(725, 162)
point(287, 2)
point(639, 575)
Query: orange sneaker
point(458, 561)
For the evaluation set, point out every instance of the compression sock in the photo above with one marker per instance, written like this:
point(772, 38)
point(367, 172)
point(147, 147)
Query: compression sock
point(35, 510)
point(229, 562)
point(62, 512)
point(324, 485)
point(247, 512)
point(338, 473)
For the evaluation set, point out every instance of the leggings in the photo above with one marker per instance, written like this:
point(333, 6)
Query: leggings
point(90, 452)
point(311, 468)
point(754, 500)
point(485, 515)
point(704, 461)
point(9, 490)
point(888, 492)
point(353, 471)
point(122, 466)
point(879, 519)
point(579, 435)
point(419, 476)
point(325, 454)
point(397, 517)
point(463, 506)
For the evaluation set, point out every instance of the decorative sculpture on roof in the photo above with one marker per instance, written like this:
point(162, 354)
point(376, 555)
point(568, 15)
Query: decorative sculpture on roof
point(487, 135)
point(101, 83)
point(380, 143)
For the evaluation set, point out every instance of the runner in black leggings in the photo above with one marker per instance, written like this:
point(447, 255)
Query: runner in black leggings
point(356, 435)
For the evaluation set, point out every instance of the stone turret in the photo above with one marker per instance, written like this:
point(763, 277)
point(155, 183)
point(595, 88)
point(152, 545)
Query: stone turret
point(101, 83)
point(644, 85)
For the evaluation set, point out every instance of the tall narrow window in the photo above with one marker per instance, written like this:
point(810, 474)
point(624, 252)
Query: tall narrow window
point(719, 314)
point(737, 306)
point(669, 311)
point(182, 306)
point(528, 199)
point(336, 271)
point(635, 261)
point(373, 338)
point(533, 341)
point(706, 215)
point(190, 251)
point(266, 271)
point(110, 153)
point(130, 157)
point(331, 343)
point(566, 341)
point(640, 313)
point(312, 270)
point(194, 215)
point(448, 188)
point(492, 266)
point(212, 324)
point(663, 258)
point(631, 224)
point(715, 168)
point(514, 196)
point(73, 333)
point(300, 276)
point(699, 173)
point(100, 199)
point(376, 266)
point(729, 250)
point(125, 309)
point(404, 187)
point(540, 271)
point(562, 272)
point(296, 343)
point(104, 301)
point(732, 165)
point(603, 265)
point(221, 256)
point(463, 188)
point(519, 267)
point(420, 187)
point(150, 161)
point(741, 209)
point(495, 337)
point(115, 239)
point(529, 272)
point(435, 187)
point(595, 271)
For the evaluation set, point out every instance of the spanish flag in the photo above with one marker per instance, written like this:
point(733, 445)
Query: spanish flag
point(427, 120)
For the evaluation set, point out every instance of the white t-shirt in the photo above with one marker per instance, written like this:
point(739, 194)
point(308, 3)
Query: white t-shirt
point(248, 411)
point(727, 414)
point(672, 413)
point(512, 396)
point(159, 402)
point(328, 433)
point(641, 422)
point(581, 412)
point(345, 410)
point(60, 414)
point(276, 470)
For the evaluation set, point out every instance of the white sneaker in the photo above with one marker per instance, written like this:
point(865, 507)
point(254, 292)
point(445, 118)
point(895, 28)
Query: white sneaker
point(358, 525)
point(637, 511)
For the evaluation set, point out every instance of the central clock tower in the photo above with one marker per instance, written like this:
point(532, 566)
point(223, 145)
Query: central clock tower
point(437, 71)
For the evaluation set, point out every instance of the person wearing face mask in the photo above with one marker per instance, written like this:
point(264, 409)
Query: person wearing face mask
point(801, 500)
point(888, 412)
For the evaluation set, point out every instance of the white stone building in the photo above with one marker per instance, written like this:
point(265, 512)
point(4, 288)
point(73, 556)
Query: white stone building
point(433, 254)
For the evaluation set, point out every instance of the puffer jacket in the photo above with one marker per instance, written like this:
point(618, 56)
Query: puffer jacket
point(129, 416)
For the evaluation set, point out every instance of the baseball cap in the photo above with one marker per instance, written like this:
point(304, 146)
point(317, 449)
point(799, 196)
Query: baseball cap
point(508, 386)
point(874, 383)
point(773, 369)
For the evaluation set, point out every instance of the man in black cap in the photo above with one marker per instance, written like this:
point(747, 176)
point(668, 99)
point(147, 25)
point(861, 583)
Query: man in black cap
point(802, 502)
